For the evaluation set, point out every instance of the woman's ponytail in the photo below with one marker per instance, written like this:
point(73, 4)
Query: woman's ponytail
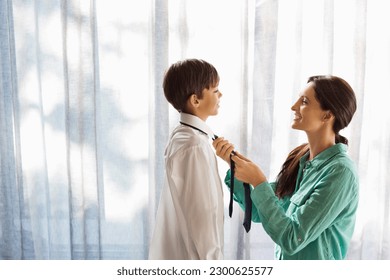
point(341, 139)
point(287, 177)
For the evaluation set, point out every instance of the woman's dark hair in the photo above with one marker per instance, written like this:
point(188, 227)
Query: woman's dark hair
point(187, 77)
point(333, 94)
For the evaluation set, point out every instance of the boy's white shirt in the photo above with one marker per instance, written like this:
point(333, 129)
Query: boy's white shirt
point(189, 221)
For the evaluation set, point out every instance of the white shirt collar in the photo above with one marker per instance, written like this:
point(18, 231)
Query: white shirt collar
point(196, 122)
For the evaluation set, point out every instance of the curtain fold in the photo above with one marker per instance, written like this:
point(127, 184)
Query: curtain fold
point(81, 86)
point(13, 209)
point(84, 121)
point(158, 112)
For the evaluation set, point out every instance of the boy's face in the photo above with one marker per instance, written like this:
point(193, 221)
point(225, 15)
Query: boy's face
point(209, 104)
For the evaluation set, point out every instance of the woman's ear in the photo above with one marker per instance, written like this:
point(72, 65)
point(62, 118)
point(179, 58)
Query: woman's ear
point(328, 116)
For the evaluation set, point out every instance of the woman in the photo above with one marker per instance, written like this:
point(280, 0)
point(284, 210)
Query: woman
point(309, 212)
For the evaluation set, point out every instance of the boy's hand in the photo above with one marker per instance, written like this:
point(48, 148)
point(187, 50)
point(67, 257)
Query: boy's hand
point(223, 148)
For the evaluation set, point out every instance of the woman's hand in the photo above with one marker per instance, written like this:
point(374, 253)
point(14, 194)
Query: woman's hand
point(223, 148)
point(247, 171)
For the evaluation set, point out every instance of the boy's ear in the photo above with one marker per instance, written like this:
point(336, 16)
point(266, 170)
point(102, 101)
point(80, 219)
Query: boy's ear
point(194, 101)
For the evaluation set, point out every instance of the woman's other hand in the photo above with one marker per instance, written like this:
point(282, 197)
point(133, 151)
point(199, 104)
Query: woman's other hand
point(247, 171)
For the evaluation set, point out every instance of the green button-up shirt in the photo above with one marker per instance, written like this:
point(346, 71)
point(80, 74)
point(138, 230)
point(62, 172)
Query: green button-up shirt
point(318, 219)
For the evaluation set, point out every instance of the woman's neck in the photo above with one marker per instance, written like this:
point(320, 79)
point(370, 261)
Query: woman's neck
point(319, 143)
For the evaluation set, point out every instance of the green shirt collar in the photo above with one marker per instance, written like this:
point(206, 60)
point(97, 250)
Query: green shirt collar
point(324, 156)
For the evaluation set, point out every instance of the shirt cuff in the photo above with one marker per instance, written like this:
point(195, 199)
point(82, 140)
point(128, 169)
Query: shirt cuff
point(262, 193)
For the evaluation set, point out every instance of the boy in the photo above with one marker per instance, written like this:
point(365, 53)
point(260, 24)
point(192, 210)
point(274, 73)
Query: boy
point(189, 222)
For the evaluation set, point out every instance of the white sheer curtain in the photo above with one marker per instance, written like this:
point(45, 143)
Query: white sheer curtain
point(84, 123)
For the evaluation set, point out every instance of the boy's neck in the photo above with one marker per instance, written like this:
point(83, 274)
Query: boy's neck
point(196, 114)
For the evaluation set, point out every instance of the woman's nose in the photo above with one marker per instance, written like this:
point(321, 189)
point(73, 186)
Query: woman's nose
point(294, 106)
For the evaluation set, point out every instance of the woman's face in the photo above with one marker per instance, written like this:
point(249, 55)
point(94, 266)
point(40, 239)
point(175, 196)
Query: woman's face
point(308, 114)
